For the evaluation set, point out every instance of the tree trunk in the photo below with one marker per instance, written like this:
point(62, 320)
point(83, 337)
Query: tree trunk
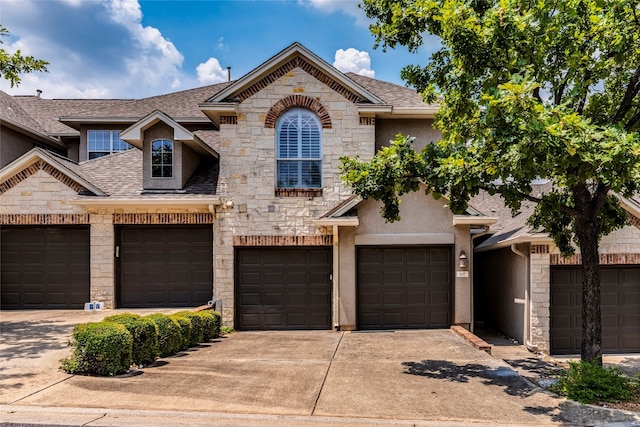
point(587, 235)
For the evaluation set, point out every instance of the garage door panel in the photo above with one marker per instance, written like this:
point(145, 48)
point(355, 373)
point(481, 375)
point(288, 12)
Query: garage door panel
point(168, 266)
point(409, 287)
point(44, 267)
point(620, 293)
point(283, 288)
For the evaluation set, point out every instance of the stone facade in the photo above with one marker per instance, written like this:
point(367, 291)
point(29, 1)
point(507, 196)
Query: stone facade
point(248, 172)
point(619, 248)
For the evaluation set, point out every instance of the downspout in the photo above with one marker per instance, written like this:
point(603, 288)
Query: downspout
point(527, 308)
point(336, 278)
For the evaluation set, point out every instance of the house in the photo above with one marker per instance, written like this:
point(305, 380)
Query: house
point(528, 291)
point(230, 192)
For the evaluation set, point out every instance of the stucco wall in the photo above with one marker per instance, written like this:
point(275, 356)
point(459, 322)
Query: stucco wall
point(424, 221)
point(161, 131)
point(422, 130)
point(12, 145)
point(501, 280)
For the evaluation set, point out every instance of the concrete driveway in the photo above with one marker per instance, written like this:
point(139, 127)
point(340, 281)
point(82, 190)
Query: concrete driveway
point(404, 376)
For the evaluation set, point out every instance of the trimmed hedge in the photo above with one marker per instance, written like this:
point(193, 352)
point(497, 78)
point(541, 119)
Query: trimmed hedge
point(197, 327)
point(145, 336)
point(110, 347)
point(102, 348)
point(185, 328)
point(169, 334)
point(211, 321)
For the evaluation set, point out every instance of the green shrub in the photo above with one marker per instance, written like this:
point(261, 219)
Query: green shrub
point(144, 333)
point(99, 349)
point(197, 327)
point(211, 322)
point(169, 334)
point(588, 382)
point(185, 330)
point(226, 330)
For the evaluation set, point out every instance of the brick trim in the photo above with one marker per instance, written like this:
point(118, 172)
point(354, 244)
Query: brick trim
point(44, 219)
point(228, 120)
point(634, 220)
point(30, 170)
point(605, 259)
point(298, 192)
point(321, 240)
point(306, 66)
point(162, 218)
point(293, 101)
point(539, 249)
point(367, 121)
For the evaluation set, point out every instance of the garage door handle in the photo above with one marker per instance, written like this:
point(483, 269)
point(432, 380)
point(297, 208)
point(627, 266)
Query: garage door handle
point(117, 251)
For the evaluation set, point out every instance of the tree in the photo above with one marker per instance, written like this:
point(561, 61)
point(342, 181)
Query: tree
point(11, 66)
point(526, 89)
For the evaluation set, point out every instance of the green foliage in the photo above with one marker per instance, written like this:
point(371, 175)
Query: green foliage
point(211, 323)
point(12, 65)
point(588, 382)
point(99, 349)
point(185, 330)
point(144, 333)
point(169, 334)
point(525, 90)
point(226, 330)
point(197, 327)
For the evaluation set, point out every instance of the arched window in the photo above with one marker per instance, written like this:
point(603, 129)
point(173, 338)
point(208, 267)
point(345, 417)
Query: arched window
point(299, 150)
point(162, 158)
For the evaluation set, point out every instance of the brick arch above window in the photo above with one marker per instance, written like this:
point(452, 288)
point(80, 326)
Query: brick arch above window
point(297, 101)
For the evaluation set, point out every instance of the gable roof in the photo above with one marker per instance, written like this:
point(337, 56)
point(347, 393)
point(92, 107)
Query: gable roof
point(296, 55)
point(133, 134)
point(61, 168)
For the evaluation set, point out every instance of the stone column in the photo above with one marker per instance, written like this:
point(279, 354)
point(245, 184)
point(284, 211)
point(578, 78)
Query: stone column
point(102, 242)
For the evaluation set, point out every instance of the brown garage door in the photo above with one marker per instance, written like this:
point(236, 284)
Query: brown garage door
point(404, 287)
point(283, 288)
point(620, 289)
point(44, 267)
point(165, 266)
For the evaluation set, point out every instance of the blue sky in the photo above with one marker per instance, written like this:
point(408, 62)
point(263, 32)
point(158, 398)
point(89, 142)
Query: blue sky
point(138, 48)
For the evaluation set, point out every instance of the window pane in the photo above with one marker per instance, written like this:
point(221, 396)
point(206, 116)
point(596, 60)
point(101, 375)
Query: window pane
point(99, 140)
point(118, 144)
point(299, 140)
point(162, 158)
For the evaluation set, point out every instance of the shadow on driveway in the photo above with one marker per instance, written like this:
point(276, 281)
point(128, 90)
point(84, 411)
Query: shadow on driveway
point(30, 339)
point(445, 370)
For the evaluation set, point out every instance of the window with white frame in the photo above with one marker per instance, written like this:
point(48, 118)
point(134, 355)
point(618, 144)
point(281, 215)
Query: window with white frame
point(162, 158)
point(299, 150)
point(103, 142)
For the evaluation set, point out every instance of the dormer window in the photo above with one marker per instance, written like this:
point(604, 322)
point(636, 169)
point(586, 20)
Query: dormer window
point(162, 158)
point(299, 150)
point(103, 142)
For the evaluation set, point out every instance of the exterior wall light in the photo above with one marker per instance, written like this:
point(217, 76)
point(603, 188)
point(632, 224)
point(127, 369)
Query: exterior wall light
point(463, 260)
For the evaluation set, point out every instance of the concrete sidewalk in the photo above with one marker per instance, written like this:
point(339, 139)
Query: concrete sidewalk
point(321, 378)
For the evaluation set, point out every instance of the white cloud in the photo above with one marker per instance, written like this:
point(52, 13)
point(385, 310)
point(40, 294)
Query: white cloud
point(211, 72)
point(158, 59)
point(355, 61)
point(348, 7)
point(95, 50)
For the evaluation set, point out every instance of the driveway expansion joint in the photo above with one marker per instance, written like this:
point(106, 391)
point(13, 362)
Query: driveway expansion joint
point(326, 374)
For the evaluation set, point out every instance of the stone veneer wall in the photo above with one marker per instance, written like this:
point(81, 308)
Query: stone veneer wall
point(248, 168)
point(620, 247)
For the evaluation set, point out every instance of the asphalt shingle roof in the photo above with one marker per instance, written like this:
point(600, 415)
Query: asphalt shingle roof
point(183, 104)
point(11, 110)
point(391, 93)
